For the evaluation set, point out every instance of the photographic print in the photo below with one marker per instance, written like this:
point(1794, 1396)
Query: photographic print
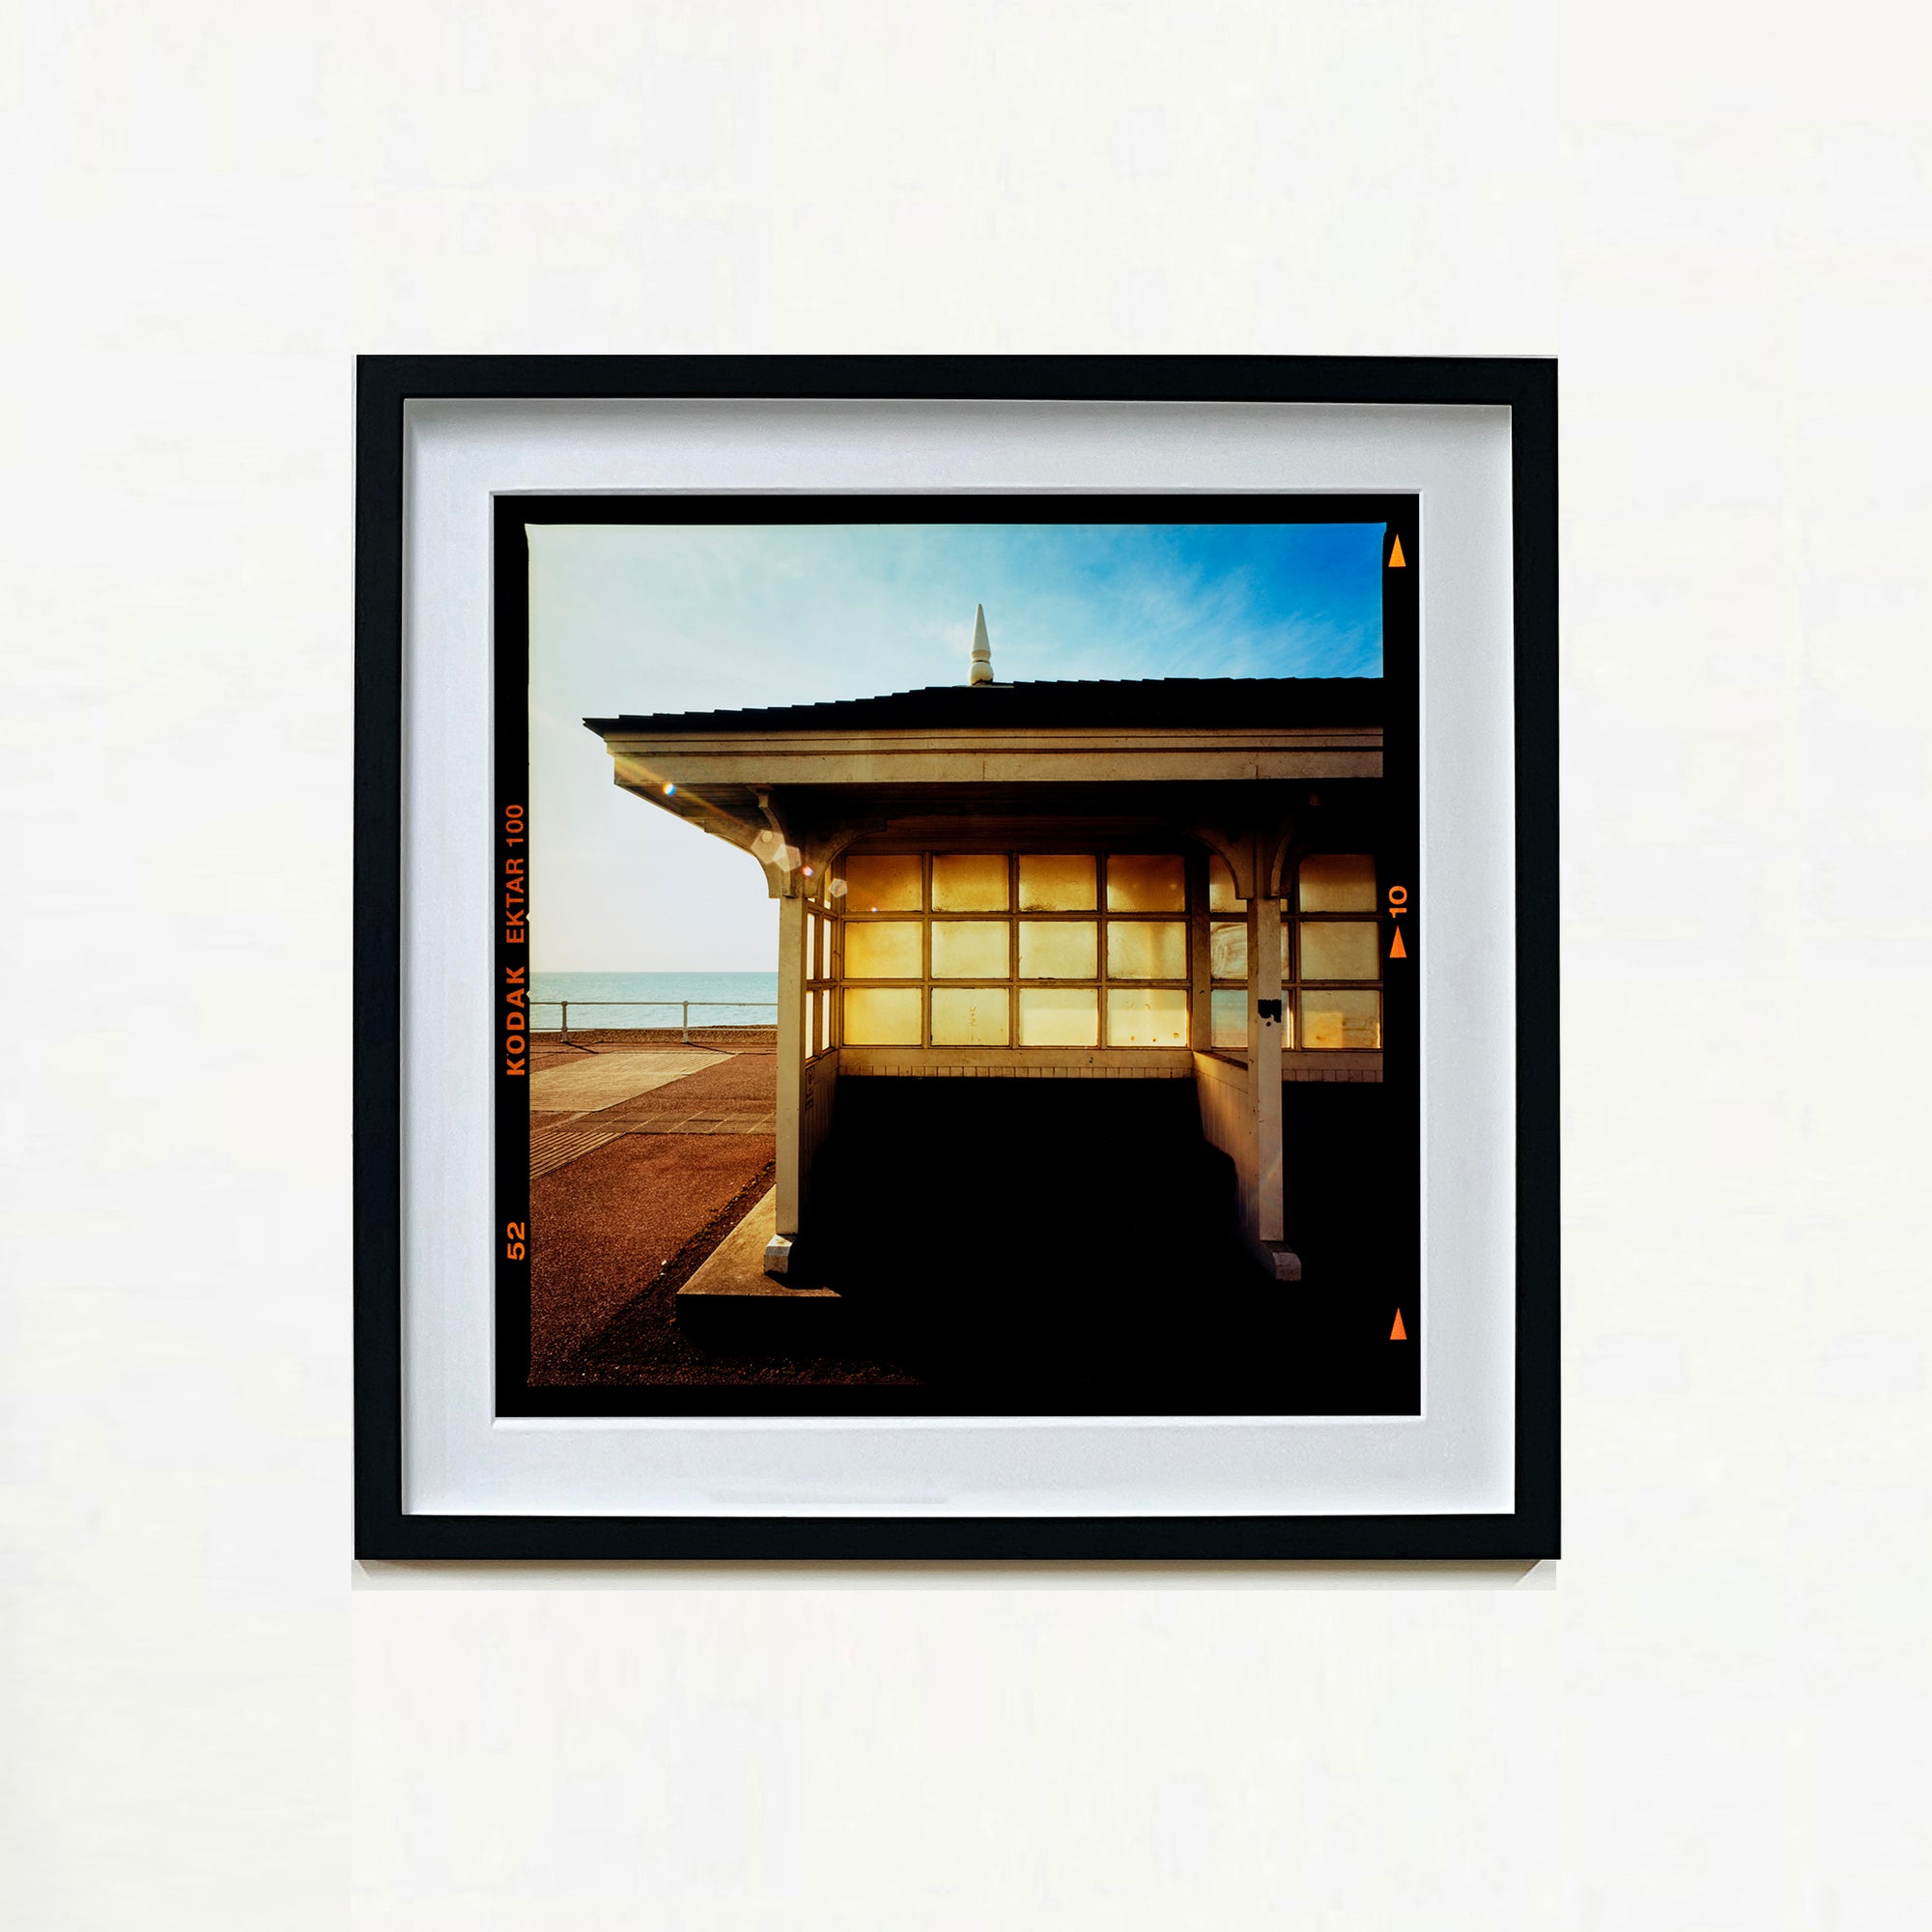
point(957, 955)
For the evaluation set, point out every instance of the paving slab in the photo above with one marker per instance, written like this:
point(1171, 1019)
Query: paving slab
point(604, 1079)
point(556, 1146)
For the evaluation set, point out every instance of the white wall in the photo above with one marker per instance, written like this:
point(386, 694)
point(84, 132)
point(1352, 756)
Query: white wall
point(1711, 1712)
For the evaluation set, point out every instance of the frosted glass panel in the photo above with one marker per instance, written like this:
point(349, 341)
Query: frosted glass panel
point(1338, 882)
point(1227, 949)
point(1154, 949)
point(969, 1016)
point(824, 1021)
point(1341, 950)
point(975, 949)
point(1147, 882)
point(882, 1015)
point(1221, 888)
point(969, 882)
point(1060, 1017)
point(1230, 1019)
point(1057, 882)
point(883, 883)
point(1340, 1019)
point(810, 1025)
point(1059, 949)
point(886, 948)
point(1146, 1016)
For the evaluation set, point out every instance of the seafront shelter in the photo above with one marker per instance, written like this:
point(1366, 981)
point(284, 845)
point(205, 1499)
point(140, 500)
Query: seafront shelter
point(1168, 880)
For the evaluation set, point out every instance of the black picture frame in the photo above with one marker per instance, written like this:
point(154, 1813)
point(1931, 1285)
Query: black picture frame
point(382, 1529)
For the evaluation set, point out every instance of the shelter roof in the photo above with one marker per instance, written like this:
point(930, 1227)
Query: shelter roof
point(1186, 703)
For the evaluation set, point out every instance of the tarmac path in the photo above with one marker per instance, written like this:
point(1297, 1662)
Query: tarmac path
point(632, 1153)
point(602, 1228)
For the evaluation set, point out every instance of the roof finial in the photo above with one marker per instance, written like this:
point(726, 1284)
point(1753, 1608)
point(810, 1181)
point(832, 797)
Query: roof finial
point(981, 671)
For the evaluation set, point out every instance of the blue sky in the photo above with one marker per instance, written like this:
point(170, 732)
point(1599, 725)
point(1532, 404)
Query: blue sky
point(664, 617)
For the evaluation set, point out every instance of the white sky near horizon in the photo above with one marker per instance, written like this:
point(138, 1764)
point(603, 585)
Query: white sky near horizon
point(651, 619)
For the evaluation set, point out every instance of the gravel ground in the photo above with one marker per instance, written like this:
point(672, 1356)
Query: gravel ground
point(617, 1231)
point(602, 1228)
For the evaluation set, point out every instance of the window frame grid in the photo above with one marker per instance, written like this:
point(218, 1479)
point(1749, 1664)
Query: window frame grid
point(1292, 983)
point(1014, 982)
point(1298, 985)
point(823, 955)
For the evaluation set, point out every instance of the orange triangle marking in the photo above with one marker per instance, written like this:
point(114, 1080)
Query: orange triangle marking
point(1397, 562)
point(1398, 1333)
point(1397, 951)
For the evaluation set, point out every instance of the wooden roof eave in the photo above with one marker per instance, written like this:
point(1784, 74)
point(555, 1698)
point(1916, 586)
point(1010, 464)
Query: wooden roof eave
point(735, 785)
point(995, 758)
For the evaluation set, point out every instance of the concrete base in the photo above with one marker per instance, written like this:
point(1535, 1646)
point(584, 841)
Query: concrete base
point(1276, 1257)
point(735, 1270)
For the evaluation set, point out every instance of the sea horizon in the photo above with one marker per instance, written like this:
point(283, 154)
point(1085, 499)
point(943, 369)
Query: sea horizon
point(653, 999)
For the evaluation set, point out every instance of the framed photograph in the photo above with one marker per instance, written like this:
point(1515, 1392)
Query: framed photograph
point(957, 958)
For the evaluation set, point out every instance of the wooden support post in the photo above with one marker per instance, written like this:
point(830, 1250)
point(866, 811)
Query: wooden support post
point(1266, 1026)
point(1200, 965)
point(1264, 1034)
point(790, 1183)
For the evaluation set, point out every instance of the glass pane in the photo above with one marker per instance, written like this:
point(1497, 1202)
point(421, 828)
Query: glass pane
point(1346, 1019)
point(888, 882)
point(969, 1016)
point(1059, 949)
point(976, 949)
point(1057, 882)
point(882, 1015)
point(1147, 882)
point(1146, 1016)
point(1221, 886)
point(816, 968)
point(1338, 882)
point(810, 1025)
point(1060, 1017)
point(1344, 949)
point(1152, 949)
point(1227, 949)
point(1230, 1012)
point(884, 949)
point(824, 1021)
point(969, 882)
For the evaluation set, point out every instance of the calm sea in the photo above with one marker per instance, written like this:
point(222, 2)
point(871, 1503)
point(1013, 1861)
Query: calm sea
point(652, 998)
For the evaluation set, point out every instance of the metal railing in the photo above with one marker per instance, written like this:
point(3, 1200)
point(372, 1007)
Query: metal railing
point(684, 1010)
